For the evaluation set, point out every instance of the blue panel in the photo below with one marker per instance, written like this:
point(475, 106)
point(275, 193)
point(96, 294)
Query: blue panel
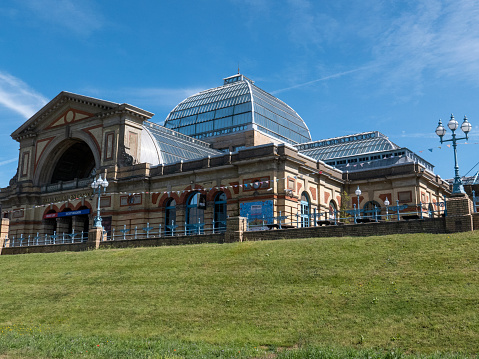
point(257, 210)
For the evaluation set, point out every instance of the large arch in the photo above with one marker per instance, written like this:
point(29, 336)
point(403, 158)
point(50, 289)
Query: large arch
point(66, 160)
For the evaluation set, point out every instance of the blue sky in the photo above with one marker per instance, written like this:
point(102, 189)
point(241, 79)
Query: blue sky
point(344, 66)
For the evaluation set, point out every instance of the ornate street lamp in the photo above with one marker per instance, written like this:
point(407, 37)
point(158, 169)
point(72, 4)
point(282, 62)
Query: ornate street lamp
point(386, 203)
point(358, 193)
point(97, 185)
point(466, 127)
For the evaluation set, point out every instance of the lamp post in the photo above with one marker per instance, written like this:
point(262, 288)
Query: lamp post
point(457, 186)
point(358, 193)
point(97, 185)
point(386, 203)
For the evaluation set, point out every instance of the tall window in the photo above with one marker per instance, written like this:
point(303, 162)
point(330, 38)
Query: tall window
point(332, 210)
point(195, 215)
point(170, 217)
point(220, 212)
point(305, 210)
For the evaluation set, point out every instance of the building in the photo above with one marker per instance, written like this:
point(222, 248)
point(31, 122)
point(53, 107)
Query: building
point(234, 150)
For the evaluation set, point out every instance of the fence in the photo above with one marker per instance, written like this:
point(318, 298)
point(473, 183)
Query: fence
point(352, 216)
point(42, 240)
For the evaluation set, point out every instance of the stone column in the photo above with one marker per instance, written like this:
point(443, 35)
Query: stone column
point(459, 213)
point(4, 226)
point(235, 226)
point(95, 236)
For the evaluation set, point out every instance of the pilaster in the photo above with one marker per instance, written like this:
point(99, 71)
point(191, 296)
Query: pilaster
point(235, 227)
point(459, 214)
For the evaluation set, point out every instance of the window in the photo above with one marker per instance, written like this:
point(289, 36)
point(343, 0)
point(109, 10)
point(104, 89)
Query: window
point(305, 210)
point(332, 210)
point(220, 212)
point(194, 214)
point(170, 217)
point(405, 197)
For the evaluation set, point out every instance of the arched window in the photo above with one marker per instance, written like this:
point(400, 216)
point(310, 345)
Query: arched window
point(50, 224)
point(170, 217)
point(332, 210)
point(195, 214)
point(220, 212)
point(372, 209)
point(305, 210)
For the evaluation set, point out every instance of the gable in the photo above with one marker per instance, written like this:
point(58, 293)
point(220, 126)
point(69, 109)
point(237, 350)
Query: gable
point(69, 116)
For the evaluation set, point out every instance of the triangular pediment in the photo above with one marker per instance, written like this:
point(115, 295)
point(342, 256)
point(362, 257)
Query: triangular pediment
point(67, 108)
point(69, 116)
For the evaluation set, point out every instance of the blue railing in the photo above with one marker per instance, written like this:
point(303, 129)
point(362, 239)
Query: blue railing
point(46, 239)
point(352, 216)
point(398, 212)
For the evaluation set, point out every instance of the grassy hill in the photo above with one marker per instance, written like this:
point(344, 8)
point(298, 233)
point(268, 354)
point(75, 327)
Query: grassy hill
point(367, 296)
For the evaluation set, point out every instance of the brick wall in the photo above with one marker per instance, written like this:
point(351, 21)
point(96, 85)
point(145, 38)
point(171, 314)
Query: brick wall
point(433, 225)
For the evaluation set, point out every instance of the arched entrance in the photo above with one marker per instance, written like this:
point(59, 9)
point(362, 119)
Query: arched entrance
point(77, 161)
point(305, 209)
point(333, 210)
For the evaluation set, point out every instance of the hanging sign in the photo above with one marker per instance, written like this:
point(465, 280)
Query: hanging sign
point(66, 214)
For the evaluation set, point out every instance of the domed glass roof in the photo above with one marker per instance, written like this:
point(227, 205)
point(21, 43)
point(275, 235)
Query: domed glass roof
point(236, 106)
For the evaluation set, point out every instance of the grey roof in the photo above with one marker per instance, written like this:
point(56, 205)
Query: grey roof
point(236, 106)
point(160, 145)
point(346, 146)
point(362, 151)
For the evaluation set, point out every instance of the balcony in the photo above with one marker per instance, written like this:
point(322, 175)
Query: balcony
point(67, 185)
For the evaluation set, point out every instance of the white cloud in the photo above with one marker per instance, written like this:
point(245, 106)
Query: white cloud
point(6, 162)
point(434, 39)
point(336, 75)
point(18, 96)
point(79, 17)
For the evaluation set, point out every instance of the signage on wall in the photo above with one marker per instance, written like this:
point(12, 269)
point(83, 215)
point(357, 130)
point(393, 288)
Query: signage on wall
point(66, 214)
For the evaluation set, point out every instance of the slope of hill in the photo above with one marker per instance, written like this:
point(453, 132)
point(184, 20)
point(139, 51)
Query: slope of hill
point(418, 293)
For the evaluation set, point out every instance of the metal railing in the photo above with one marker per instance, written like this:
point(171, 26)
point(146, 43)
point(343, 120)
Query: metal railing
point(46, 239)
point(170, 230)
point(350, 216)
point(61, 185)
point(254, 222)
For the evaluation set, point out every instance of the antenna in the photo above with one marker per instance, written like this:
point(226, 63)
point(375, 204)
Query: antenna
point(238, 68)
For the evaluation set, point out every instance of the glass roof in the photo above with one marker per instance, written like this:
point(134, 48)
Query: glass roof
point(237, 105)
point(345, 146)
point(169, 146)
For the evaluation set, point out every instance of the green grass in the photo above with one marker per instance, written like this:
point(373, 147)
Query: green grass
point(309, 298)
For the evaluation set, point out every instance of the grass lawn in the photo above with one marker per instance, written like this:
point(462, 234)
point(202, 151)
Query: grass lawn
point(389, 296)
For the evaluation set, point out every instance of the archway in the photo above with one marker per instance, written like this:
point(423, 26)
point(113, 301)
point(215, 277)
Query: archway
point(77, 161)
point(195, 213)
point(170, 217)
point(333, 209)
point(305, 209)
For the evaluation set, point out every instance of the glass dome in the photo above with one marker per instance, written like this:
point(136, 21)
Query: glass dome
point(238, 105)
